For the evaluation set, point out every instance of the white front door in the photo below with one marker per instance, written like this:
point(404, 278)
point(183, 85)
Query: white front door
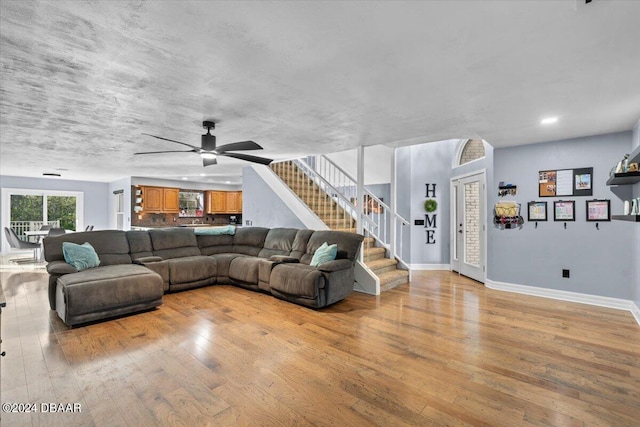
point(468, 207)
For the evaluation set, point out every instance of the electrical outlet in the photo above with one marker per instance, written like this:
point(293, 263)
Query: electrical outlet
point(565, 273)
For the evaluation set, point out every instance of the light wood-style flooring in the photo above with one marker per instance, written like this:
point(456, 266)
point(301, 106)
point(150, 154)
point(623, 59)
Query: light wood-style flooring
point(441, 351)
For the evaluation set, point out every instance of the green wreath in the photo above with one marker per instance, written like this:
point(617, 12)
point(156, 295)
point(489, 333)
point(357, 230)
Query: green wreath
point(430, 205)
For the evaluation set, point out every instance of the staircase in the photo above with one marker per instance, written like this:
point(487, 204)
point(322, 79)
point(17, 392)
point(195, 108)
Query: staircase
point(336, 218)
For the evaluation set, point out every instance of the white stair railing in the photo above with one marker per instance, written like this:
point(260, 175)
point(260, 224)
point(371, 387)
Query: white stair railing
point(336, 184)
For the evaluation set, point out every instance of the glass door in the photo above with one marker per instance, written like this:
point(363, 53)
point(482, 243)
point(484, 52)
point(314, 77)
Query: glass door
point(27, 214)
point(28, 210)
point(468, 215)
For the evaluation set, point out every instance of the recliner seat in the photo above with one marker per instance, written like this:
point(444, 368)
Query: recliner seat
point(274, 261)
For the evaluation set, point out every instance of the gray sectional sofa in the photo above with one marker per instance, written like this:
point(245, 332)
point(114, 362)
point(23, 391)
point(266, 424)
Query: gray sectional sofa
point(138, 267)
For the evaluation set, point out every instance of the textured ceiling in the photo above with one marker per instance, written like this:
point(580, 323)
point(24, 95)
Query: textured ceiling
point(81, 81)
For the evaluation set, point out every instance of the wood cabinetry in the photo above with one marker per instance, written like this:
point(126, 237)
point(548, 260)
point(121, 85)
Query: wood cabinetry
point(160, 200)
point(219, 202)
point(232, 201)
point(152, 199)
point(171, 200)
point(216, 202)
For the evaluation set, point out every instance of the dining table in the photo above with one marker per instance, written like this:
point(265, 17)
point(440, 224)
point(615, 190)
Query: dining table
point(40, 234)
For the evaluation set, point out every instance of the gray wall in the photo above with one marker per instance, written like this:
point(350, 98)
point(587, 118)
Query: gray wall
point(262, 206)
point(377, 163)
point(600, 260)
point(96, 195)
point(416, 166)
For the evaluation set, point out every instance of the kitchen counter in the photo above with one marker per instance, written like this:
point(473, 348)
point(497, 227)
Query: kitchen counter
point(135, 227)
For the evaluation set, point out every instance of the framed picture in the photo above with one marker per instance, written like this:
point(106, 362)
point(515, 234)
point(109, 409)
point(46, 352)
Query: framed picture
point(537, 211)
point(564, 210)
point(547, 183)
point(565, 182)
point(582, 179)
point(598, 210)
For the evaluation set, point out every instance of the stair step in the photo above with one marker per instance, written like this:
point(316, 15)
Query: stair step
point(373, 253)
point(368, 242)
point(336, 215)
point(329, 206)
point(392, 279)
point(346, 230)
point(383, 265)
point(342, 223)
point(305, 184)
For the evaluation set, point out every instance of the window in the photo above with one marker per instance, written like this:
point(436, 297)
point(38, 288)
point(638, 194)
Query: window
point(472, 150)
point(29, 210)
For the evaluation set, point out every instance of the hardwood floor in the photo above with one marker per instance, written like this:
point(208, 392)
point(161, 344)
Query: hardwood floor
point(443, 350)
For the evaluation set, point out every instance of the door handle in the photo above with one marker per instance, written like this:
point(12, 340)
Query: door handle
point(460, 231)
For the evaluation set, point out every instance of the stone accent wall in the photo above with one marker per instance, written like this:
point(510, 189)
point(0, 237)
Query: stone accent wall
point(472, 222)
point(474, 149)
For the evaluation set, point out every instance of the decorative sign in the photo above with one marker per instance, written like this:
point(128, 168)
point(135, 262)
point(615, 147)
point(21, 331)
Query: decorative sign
point(565, 182)
point(598, 210)
point(430, 217)
point(537, 211)
point(564, 210)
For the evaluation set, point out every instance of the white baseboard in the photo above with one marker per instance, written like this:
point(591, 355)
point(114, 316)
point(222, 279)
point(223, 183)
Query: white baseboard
point(425, 267)
point(608, 302)
point(635, 310)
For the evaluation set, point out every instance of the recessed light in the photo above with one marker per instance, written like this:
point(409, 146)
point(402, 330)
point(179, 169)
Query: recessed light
point(228, 182)
point(203, 174)
point(549, 120)
point(185, 178)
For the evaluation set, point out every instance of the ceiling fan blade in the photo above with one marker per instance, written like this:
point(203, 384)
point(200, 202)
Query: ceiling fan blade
point(209, 162)
point(239, 146)
point(254, 159)
point(171, 151)
point(171, 140)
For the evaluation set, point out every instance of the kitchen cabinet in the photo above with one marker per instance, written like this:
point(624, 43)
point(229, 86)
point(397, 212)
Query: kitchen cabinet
point(171, 200)
point(224, 202)
point(152, 199)
point(216, 202)
point(232, 202)
point(160, 200)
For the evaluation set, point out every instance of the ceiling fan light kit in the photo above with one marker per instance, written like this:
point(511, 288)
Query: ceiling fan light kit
point(209, 152)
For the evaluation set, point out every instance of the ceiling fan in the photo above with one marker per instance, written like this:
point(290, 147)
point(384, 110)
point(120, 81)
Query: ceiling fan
point(209, 152)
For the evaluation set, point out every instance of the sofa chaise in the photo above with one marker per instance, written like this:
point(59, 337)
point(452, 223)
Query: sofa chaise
point(138, 267)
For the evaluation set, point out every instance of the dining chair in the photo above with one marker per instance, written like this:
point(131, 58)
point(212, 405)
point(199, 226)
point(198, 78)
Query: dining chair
point(46, 227)
point(16, 243)
point(56, 231)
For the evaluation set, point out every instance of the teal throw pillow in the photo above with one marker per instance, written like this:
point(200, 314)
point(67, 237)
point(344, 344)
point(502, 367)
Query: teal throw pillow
point(81, 256)
point(216, 231)
point(324, 253)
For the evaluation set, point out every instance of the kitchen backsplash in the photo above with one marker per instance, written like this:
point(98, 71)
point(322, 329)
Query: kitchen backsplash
point(172, 220)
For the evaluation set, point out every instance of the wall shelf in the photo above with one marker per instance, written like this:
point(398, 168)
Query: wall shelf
point(628, 178)
point(624, 178)
point(632, 218)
